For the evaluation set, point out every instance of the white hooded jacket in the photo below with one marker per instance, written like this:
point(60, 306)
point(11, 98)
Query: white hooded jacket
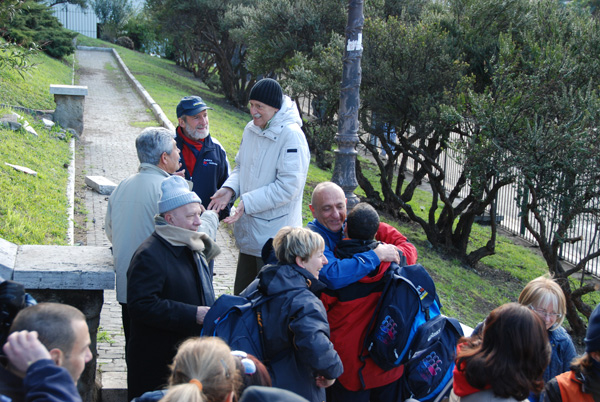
point(269, 176)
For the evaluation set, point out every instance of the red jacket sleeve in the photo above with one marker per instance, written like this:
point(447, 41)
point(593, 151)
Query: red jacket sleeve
point(390, 235)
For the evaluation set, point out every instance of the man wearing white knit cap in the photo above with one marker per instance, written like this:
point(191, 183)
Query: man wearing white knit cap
point(169, 285)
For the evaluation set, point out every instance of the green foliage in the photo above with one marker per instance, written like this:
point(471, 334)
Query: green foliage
point(113, 15)
point(35, 25)
point(8, 9)
point(276, 30)
point(16, 58)
point(142, 32)
point(541, 111)
point(32, 88)
point(12, 56)
point(206, 47)
point(588, 6)
point(104, 336)
point(316, 76)
point(34, 211)
point(82, 3)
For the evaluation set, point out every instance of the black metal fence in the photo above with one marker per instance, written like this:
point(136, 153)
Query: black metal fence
point(508, 205)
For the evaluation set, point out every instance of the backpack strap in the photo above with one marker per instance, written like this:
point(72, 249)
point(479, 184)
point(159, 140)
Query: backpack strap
point(257, 298)
point(364, 353)
point(445, 391)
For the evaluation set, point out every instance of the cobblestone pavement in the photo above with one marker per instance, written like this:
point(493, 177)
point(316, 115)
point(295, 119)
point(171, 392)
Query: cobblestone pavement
point(109, 143)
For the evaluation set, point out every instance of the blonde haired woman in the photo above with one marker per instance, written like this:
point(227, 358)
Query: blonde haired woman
point(203, 370)
point(301, 356)
point(545, 297)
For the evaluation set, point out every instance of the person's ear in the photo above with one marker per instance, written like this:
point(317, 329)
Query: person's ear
point(57, 356)
point(169, 218)
point(299, 262)
point(312, 209)
point(595, 356)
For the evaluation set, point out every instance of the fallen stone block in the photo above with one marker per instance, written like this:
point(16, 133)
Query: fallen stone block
point(100, 184)
point(47, 123)
point(11, 121)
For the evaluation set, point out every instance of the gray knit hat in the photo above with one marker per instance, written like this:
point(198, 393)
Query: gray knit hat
point(175, 193)
point(592, 335)
point(267, 91)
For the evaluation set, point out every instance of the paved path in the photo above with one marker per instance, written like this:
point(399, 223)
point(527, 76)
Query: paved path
point(109, 143)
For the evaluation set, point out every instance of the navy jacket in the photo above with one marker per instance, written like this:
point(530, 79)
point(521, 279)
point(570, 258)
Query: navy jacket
point(44, 381)
point(210, 172)
point(296, 331)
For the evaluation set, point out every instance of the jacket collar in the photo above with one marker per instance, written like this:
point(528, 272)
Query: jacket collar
point(288, 114)
point(278, 278)
point(150, 168)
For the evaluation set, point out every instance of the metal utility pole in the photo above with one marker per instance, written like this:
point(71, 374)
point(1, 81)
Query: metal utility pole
point(344, 172)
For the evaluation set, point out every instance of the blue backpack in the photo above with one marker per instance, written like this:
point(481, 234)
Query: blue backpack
point(428, 370)
point(237, 320)
point(408, 300)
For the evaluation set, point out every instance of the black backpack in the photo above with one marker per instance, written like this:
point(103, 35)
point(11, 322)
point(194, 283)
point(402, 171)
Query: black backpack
point(431, 356)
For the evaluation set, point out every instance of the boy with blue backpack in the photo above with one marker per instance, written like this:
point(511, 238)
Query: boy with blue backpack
point(349, 311)
point(387, 327)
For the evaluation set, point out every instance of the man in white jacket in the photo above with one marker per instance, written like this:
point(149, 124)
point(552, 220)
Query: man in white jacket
point(269, 177)
point(133, 204)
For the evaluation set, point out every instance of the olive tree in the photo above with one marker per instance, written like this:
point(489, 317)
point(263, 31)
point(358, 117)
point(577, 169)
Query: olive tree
point(200, 33)
point(544, 97)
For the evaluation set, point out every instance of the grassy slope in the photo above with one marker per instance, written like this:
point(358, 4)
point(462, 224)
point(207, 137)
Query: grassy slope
point(32, 208)
point(466, 293)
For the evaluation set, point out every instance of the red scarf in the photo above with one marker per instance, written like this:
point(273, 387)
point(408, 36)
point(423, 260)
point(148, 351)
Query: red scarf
point(461, 386)
point(188, 155)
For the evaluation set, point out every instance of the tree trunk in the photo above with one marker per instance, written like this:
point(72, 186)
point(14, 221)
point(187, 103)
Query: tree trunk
point(575, 321)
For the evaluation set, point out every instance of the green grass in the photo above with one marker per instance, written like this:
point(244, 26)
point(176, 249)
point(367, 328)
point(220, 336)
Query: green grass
point(104, 337)
point(466, 293)
point(33, 209)
point(33, 89)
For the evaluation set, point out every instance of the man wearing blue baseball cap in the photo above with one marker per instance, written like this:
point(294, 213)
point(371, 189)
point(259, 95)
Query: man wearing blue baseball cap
point(203, 158)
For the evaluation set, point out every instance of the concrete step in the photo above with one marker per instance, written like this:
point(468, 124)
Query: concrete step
point(114, 387)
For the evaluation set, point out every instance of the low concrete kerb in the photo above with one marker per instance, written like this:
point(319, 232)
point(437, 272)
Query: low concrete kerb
point(156, 109)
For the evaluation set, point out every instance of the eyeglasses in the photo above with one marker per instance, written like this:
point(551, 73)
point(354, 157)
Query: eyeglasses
point(249, 366)
point(544, 313)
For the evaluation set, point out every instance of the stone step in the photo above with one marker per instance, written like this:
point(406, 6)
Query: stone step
point(114, 387)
